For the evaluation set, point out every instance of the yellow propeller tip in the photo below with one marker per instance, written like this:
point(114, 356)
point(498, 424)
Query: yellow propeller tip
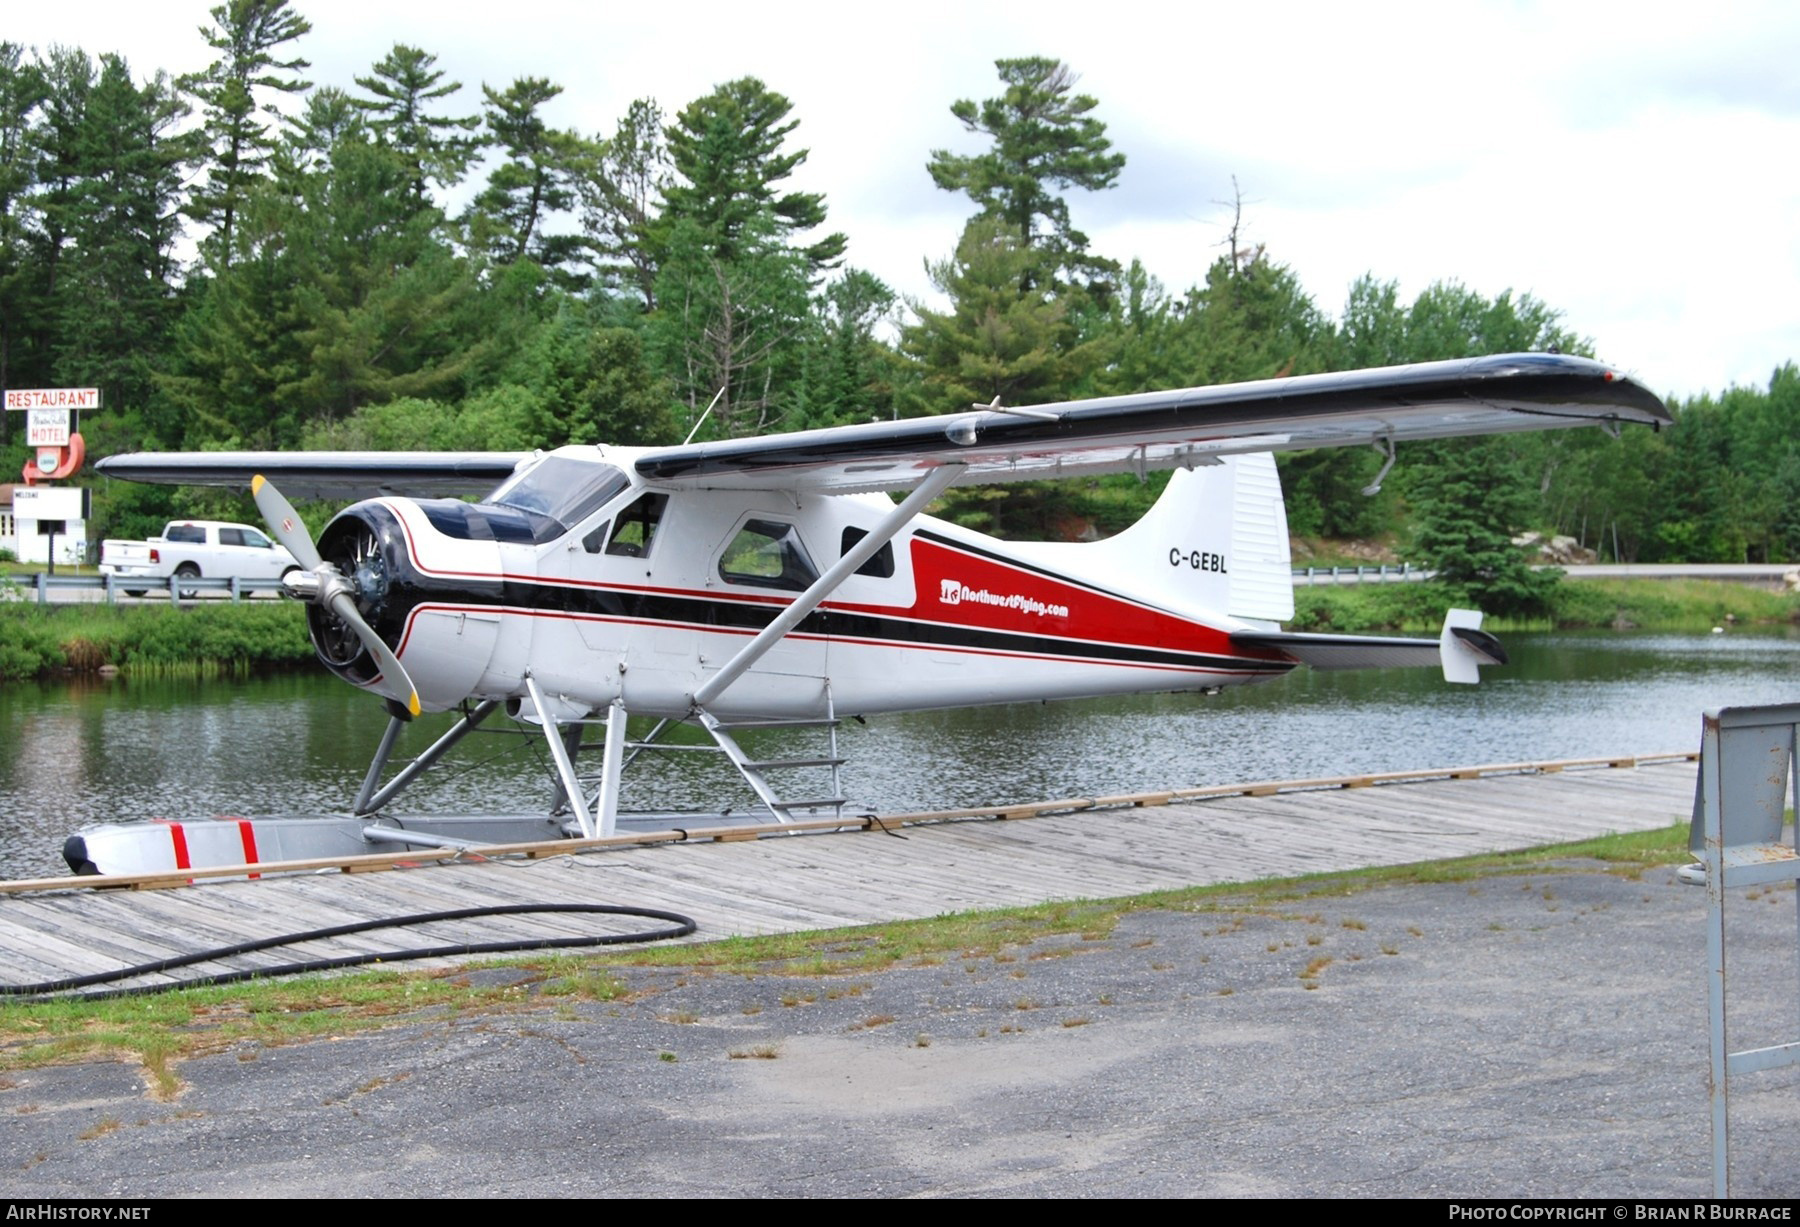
point(412, 702)
point(256, 484)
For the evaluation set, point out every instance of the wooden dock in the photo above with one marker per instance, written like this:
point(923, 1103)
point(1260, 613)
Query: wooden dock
point(906, 866)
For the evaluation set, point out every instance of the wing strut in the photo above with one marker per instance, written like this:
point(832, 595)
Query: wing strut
point(935, 483)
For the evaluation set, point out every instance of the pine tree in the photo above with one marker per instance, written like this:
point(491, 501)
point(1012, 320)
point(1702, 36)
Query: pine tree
point(998, 340)
point(22, 93)
point(727, 149)
point(437, 148)
point(247, 34)
point(622, 197)
point(539, 178)
point(1044, 138)
point(117, 300)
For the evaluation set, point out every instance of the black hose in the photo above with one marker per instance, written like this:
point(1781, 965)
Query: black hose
point(681, 927)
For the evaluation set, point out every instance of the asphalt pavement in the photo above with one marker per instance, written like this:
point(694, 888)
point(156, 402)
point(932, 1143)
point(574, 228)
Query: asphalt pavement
point(1535, 1036)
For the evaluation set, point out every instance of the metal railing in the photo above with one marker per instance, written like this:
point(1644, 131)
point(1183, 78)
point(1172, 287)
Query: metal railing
point(109, 588)
point(1375, 573)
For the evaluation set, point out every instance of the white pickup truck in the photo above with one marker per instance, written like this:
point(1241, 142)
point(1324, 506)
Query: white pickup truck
point(190, 549)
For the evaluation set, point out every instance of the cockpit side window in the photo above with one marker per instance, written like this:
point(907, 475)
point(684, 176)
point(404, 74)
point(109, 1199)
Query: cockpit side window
point(768, 554)
point(880, 564)
point(634, 532)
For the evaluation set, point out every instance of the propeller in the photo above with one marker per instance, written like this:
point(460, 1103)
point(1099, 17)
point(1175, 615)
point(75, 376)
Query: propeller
point(323, 584)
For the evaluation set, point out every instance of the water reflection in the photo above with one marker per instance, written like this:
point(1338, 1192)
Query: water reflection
point(92, 750)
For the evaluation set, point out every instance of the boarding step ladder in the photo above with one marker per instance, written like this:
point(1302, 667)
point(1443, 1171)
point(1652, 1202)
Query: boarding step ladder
point(818, 770)
point(755, 770)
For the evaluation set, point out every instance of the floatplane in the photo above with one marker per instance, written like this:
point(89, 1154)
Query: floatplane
point(775, 582)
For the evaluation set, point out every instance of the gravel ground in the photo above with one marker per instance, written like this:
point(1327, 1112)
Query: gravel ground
point(1537, 1036)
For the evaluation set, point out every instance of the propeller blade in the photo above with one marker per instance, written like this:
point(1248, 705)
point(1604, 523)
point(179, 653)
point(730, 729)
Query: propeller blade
point(344, 606)
point(285, 523)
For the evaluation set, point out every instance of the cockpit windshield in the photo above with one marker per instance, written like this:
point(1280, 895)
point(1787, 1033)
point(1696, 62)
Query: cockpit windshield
point(562, 489)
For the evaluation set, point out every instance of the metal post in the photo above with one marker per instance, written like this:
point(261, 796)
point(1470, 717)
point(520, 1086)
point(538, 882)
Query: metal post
point(1747, 760)
point(571, 739)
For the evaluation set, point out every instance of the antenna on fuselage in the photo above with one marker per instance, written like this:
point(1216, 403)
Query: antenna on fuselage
point(702, 421)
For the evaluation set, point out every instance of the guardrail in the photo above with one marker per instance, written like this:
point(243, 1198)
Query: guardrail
point(174, 589)
point(1378, 573)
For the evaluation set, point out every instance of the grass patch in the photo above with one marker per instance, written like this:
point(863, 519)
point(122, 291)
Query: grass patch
point(200, 640)
point(1649, 604)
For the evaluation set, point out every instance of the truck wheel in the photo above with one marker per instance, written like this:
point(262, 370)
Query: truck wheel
point(188, 570)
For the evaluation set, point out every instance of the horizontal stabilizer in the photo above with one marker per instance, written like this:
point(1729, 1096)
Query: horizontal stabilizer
point(1461, 649)
point(1344, 651)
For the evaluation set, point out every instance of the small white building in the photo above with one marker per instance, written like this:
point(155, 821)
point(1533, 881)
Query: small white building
point(35, 519)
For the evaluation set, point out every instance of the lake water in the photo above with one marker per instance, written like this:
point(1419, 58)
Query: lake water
point(95, 750)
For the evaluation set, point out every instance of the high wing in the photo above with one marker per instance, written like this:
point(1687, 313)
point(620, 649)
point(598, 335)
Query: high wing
point(324, 474)
point(1139, 432)
point(1185, 427)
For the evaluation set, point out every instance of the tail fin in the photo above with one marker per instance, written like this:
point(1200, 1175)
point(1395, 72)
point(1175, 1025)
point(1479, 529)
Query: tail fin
point(1215, 542)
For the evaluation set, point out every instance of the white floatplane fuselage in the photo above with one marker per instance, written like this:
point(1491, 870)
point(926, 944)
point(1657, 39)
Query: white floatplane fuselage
point(643, 597)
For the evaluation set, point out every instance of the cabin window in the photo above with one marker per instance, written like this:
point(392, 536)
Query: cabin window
point(596, 540)
point(187, 534)
point(880, 564)
point(635, 530)
point(768, 554)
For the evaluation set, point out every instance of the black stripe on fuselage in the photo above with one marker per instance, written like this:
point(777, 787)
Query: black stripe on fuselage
point(704, 613)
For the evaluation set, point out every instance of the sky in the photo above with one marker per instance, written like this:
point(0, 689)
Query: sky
point(1633, 165)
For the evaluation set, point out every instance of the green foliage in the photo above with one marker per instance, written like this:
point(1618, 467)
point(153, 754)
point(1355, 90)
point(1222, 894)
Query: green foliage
point(734, 280)
point(1008, 333)
point(591, 384)
point(1648, 604)
point(335, 305)
point(620, 201)
point(1469, 503)
point(850, 373)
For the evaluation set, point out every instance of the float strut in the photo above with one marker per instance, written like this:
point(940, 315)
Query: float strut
point(455, 733)
point(565, 766)
point(389, 735)
point(606, 805)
